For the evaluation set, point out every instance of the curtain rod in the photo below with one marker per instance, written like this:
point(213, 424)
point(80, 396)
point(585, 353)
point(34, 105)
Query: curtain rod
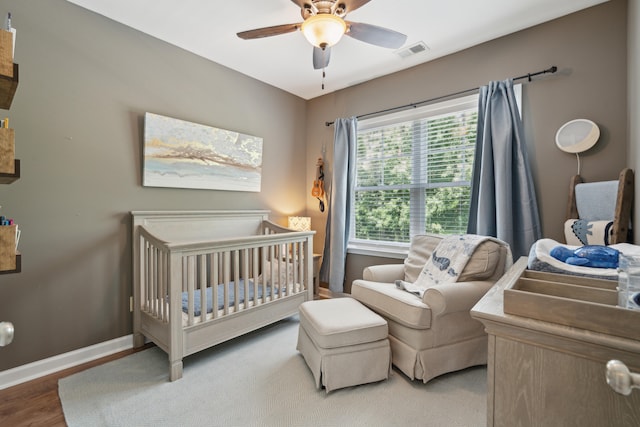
point(528, 76)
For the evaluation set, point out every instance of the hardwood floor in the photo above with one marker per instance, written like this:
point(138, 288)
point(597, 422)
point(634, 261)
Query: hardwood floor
point(36, 403)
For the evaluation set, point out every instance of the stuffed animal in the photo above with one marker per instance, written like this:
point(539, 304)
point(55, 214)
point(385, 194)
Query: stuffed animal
point(587, 256)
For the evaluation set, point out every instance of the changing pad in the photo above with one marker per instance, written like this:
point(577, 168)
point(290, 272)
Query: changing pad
point(541, 260)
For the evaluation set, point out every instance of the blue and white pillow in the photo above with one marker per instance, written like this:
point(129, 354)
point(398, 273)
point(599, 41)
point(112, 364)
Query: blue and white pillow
point(580, 232)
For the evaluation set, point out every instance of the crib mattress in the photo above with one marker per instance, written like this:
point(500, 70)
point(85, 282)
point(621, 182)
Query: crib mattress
point(220, 303)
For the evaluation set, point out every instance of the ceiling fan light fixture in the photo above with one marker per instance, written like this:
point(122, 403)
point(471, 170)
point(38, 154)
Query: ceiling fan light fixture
point(323, 30)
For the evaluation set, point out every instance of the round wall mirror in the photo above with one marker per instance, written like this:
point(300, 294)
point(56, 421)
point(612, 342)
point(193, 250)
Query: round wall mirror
point(577, 136)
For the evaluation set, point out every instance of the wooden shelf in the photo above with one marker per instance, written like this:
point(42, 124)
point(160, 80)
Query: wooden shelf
point(18, 268)
point(574, 301)
point(8, 86)
point(8, 178)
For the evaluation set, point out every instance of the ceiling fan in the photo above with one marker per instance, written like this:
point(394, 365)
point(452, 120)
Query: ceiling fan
point(324, 26)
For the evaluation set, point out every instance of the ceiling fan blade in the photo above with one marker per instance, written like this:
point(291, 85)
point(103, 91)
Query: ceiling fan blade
point(276, 30)
point(321, 57)
point(375, 35)
point(351, 5)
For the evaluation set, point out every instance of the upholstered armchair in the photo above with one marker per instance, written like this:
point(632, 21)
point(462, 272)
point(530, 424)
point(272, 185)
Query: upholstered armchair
point(433, 334)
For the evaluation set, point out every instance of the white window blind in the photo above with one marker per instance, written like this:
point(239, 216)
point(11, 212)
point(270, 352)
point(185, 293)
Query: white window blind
point(414, 173)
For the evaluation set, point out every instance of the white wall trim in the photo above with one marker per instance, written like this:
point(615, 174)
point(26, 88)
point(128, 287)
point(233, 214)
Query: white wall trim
point(40, 368)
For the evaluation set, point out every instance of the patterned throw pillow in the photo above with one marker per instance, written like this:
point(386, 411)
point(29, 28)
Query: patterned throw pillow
point(580, 232)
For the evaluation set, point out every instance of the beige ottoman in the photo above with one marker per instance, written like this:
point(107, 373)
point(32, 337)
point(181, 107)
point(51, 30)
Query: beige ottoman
point(343, 342)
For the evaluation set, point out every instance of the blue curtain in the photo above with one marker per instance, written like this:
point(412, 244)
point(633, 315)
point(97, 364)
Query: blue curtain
point(339, 209)
point(503, 199)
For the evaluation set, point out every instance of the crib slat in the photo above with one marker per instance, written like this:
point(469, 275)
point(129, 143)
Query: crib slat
point(202, 283)
point(255, 274)
point(236, 280)
point(226, 268)
point(287, 265)
point(297, 276)
point(144, 289)
point(190, 279)
point(164, 289)
point(245, 276)
point(272, 257)
point(264, 256)
point(290, 269)
point(215, 276)
point(153, 282)
point(280, 261)
point(301, 277)
point(151, 279)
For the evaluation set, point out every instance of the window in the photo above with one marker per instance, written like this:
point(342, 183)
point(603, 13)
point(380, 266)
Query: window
point(413, 174)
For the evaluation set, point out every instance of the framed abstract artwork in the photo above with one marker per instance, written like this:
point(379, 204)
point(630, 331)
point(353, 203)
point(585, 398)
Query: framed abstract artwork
point(183, 154)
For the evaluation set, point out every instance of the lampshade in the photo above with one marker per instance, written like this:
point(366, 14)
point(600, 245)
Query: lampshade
point(323, 30)
point(299, 223)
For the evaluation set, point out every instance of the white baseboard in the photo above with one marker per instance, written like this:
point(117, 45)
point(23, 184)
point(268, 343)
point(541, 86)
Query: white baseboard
point(31, 371)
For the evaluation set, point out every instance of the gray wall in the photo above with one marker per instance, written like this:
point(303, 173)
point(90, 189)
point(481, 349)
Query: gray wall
point(589, 48)
point(633, 52)
point(85, 84)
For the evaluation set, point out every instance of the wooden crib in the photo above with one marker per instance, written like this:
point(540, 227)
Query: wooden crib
point(204, 277)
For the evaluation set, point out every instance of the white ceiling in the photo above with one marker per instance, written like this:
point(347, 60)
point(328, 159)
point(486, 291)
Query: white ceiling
point(208, 28)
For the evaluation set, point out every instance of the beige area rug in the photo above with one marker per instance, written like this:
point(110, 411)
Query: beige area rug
point(261, 380)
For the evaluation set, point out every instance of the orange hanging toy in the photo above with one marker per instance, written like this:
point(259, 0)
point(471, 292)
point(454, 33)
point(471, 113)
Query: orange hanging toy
point(318, 184)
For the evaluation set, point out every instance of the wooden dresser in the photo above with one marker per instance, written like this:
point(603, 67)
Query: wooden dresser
point(544, 373)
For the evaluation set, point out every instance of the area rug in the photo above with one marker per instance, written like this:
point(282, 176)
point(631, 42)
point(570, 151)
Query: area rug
point(261, 380)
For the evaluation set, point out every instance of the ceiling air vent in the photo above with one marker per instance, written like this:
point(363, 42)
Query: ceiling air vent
point(413, 49)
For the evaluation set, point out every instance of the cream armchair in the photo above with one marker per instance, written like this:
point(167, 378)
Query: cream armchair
point(434, 334)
